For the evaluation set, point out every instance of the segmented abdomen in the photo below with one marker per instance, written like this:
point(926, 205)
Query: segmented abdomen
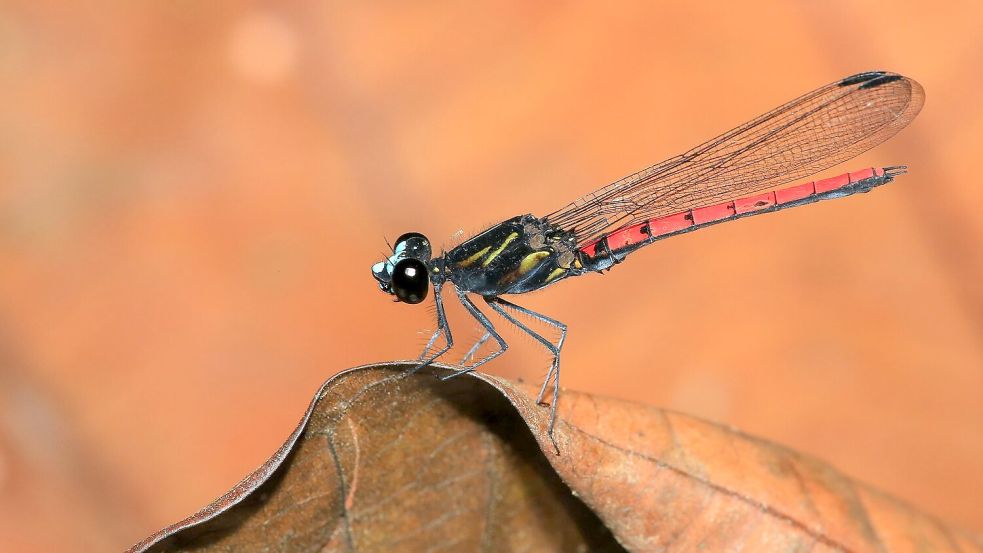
point(614, 247)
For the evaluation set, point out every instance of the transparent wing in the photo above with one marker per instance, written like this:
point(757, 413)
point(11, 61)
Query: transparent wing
point(815, 131)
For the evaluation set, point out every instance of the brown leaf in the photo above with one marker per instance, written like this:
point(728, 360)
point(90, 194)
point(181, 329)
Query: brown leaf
point(383, 461)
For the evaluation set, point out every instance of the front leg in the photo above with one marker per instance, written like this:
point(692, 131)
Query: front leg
point(442, 328)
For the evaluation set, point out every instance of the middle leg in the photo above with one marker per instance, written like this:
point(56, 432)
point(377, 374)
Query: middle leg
point(474, 349)
point(489, 331)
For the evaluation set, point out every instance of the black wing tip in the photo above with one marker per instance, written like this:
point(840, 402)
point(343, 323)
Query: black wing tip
point(873, 83)
point(870, 79)
point(862, 77)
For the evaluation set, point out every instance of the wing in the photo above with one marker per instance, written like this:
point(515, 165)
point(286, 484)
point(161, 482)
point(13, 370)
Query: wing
point(815, 131)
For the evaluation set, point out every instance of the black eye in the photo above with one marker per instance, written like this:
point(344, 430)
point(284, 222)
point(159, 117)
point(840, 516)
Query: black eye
point(409, 235)
point(411, 282)
point(413, 244)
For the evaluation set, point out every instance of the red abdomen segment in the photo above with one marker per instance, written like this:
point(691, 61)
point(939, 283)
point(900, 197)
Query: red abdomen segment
point(613, 247)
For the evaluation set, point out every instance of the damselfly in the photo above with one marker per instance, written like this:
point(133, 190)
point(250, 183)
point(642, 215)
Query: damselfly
point(726, 178)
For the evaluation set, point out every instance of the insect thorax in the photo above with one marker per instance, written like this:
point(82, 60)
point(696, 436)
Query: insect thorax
point(519, 255)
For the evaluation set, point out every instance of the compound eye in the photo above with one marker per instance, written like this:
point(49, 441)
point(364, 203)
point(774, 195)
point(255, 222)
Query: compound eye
point(407, 236)
point(411, 281)
point(413, 244)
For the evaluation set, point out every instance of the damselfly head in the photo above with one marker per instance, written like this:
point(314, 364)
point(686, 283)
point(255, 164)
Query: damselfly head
point(405, 273)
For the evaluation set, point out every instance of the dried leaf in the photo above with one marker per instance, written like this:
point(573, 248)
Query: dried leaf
point(385, 461)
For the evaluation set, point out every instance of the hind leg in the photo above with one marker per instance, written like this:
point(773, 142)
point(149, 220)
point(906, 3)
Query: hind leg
point(498, 304)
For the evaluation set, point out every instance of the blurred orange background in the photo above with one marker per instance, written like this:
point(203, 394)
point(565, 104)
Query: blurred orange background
point(192, 193)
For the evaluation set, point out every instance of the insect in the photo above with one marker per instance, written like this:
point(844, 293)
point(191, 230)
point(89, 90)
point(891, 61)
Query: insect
point(732, 176)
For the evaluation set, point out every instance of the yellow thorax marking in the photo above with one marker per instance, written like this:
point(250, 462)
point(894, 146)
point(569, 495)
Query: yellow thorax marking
point(495, 253)
point(474, 257)
point(530, 261)
point(556, 272)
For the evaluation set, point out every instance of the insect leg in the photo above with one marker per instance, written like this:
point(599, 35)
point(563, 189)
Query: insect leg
point(442, 328)
point(477, 345)
point(426, 349)
point(489, 329)
point(554, 372)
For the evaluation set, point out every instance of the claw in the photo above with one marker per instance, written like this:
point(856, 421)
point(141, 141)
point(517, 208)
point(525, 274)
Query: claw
point(422, 365)
point(556, 448)
point(455, 374)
